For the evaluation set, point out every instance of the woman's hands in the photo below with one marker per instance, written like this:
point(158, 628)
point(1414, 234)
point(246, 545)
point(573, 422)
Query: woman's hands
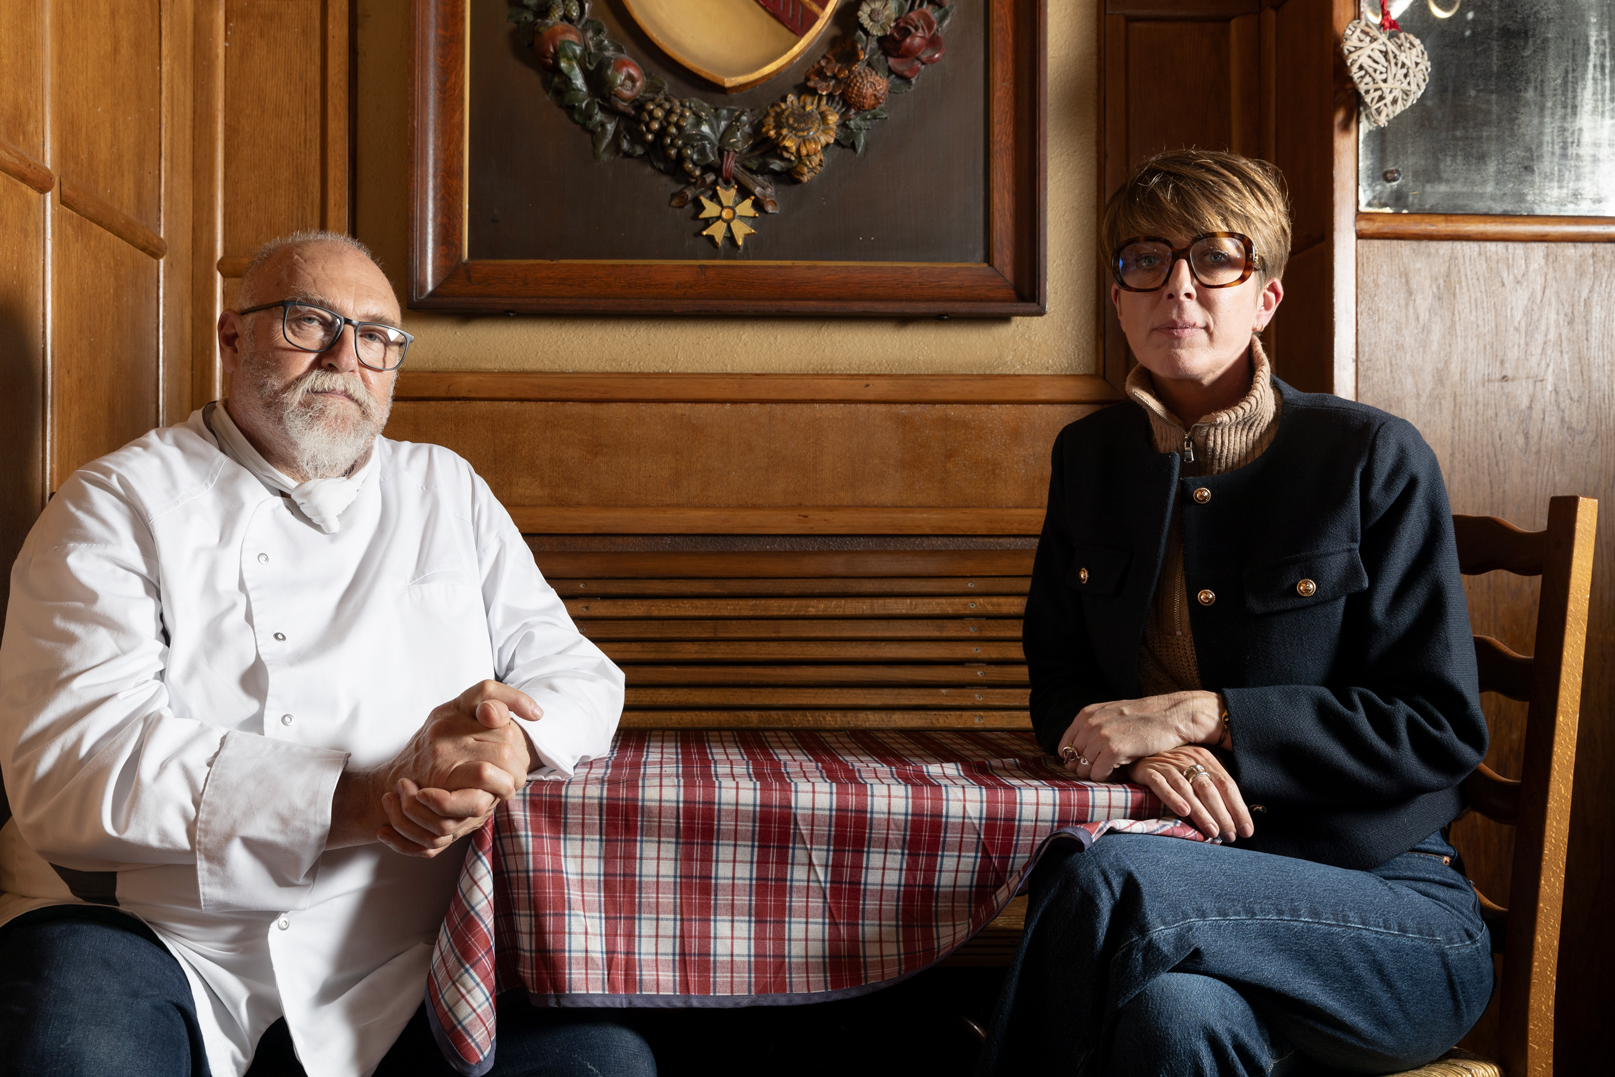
point(1210, 801)
point(1108, 736)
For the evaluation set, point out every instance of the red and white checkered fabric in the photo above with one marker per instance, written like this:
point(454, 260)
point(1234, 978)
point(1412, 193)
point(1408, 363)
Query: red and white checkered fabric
point(742, 867)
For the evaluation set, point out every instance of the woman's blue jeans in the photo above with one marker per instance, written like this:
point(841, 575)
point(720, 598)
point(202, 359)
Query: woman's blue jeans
point(1152, 955)
point(88, 992)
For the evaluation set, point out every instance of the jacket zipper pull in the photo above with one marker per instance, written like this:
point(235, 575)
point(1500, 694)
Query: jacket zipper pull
point(1188, 449)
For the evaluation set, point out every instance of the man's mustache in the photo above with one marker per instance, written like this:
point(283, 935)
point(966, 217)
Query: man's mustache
point(329, 381)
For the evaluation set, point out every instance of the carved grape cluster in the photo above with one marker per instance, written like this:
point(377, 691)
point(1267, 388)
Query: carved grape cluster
point(662, 125)
point(555, 10)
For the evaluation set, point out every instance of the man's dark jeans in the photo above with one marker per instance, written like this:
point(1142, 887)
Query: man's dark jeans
point(88, 991)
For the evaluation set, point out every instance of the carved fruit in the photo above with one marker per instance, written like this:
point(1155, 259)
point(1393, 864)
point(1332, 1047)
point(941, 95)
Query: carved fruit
point(548, 42)
point(865, 90)
point(629, 78)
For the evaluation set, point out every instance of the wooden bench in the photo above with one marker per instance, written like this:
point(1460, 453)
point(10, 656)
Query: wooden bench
point(780, 550)
point(815, 637)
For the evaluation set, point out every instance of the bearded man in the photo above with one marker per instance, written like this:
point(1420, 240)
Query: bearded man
point(259, 671)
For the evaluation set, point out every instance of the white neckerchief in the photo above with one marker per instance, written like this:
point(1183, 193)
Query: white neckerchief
point(322, 500)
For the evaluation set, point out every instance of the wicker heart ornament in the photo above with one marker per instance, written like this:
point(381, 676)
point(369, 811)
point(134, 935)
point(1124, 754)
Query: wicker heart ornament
point(1388, 65)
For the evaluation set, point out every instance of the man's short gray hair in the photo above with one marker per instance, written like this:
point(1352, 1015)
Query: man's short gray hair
point(294, 239)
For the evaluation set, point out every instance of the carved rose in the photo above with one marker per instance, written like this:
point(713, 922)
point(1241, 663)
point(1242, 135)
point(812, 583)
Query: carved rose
point(914, 42)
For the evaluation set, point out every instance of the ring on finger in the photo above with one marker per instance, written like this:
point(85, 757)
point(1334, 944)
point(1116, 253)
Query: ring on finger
point(1195, 772)
point(1071, 755)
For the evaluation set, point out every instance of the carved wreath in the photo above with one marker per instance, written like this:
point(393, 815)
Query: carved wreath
point(629, 113)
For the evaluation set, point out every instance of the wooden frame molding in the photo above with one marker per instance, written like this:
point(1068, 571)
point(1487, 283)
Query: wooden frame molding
point(837, 520)
point(759, 388)
point(1474, 226)
point(1012, 282)
point(960, 421)
point(114, 220)
point(24, 169)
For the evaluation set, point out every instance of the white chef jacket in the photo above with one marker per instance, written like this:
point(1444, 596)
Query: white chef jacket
point(188, 665)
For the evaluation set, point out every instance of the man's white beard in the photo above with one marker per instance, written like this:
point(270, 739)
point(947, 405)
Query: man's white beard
point(325, 437)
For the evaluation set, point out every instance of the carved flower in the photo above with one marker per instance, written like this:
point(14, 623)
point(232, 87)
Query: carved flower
point(913, 42)
point(801, 127)
point(807, 166)
point(830, 74)
point(879, 16)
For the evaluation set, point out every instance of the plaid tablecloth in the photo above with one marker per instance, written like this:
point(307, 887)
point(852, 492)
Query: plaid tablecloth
point(742, 868)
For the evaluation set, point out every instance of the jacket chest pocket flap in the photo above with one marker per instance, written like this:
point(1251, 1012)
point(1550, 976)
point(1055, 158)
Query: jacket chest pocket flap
point(1097, 570)
point(1302, 580)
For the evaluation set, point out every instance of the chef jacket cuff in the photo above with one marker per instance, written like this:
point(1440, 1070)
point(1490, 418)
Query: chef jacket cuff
point(566, 736)
point(263, 822)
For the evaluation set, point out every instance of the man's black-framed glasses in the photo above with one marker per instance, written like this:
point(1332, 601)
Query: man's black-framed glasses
point(312, 328)
point(1216, 260)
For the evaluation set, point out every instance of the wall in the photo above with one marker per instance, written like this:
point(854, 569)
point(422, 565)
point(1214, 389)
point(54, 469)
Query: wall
point(1061, 342)
point(1498, 353)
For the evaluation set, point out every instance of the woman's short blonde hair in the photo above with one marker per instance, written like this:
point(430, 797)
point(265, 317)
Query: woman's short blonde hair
point(1182, 193)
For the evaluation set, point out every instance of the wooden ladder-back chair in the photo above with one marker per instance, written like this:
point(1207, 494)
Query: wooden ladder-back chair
point(1538, 805)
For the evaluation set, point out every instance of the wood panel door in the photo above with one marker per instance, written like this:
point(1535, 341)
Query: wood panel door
point(146, 147)
point(1258, 78)
point(95, 211)
point(274, 152)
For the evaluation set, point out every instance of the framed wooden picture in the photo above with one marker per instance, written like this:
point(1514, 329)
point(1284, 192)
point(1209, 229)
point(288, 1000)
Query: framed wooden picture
point(530, 197)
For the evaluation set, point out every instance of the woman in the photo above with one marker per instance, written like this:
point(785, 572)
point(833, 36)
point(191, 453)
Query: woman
point(1247, 599)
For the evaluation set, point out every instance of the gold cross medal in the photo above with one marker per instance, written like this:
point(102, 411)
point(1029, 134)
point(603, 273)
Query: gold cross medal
point(728, 216)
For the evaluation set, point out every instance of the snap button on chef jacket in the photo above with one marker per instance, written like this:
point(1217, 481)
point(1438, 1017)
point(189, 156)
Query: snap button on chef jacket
point(150, 652)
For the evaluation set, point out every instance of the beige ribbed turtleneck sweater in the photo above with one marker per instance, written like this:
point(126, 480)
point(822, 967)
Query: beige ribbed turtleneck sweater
point(1222, 441)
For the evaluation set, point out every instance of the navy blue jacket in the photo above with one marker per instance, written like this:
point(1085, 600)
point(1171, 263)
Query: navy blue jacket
point(1355, 708)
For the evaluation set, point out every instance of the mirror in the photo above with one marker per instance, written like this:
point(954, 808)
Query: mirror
point(1518, 117)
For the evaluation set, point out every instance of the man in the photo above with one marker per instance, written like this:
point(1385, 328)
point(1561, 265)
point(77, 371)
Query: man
point(223, 729)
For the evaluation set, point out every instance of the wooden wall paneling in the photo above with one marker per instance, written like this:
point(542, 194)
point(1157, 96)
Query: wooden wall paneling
point(336, 149)
point(1275, 96)
point(107, 111)
point(25, 183)
point(1496, 352)
point(178, 146)
point(696, 467)
point(1539, 229)
point(582, 566)
point(277, 146)
point(1113, 162)
point(22, 76)
point(106, 343)
point(758, 388)
point(22, 366)
point(274, 120)
point(107, 105)
point(1303, 330)
point(1244, 85)
point(1343, 211)
point(1268, 81)
point(754, 454)
point(1178, 74)
point(1179, 93)
point(207, 197)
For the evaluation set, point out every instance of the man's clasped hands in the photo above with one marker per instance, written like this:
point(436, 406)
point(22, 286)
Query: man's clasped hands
point(467, 759)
